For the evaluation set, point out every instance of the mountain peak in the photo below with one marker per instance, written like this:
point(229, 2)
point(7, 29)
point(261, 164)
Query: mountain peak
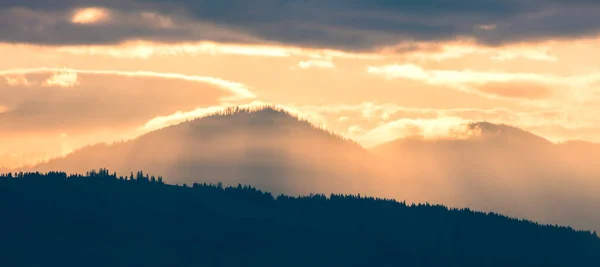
point(491, 130)
point(266, 119)
point(252, 115)
point(488, 127)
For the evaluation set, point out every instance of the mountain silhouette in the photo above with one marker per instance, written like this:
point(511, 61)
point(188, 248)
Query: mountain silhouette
point(100, 219)
point(495, 167)
point(264, 147)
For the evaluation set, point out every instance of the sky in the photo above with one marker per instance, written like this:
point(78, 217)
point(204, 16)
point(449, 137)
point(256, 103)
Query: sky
point(78, 72)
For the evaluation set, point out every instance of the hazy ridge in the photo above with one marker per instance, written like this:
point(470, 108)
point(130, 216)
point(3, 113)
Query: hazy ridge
point(496, 168)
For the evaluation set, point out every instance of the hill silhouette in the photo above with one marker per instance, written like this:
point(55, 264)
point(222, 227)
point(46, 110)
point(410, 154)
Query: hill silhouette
point(99, 219)
point(494, 168)
point(265, 147)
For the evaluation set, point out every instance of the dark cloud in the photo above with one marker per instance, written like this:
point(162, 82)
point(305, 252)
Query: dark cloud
point(350, 25)
point(55, 28)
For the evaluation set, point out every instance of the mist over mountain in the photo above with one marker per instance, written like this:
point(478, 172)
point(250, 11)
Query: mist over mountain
point(493, 168)
point(500, 168)
point(266, 147)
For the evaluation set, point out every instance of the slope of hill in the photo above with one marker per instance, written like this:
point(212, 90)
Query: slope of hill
point(102, 220)
point(582, 156)
point(265, 147)
point(499, 168)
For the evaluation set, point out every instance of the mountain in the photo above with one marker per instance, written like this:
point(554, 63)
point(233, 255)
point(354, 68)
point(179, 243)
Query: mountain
point(500, 168)
point(494, 167)
point(265, 147)
point(103, 220)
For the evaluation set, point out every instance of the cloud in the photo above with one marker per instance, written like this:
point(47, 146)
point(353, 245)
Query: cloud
point(444, 127)
point(104, 99)
point(315, 64)
point(359, 25)
point(516, 90)
point(488, 27)
point(181, 116)
point(374, 123)
point(59, 27)
point(16, 80)
point(240, 91)
point(512, 85)
point(89, 15)
point(62, 79)
point(146, 49)
point(539, 51)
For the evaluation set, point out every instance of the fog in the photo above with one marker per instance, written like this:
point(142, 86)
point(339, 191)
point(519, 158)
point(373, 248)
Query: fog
point(496, 168)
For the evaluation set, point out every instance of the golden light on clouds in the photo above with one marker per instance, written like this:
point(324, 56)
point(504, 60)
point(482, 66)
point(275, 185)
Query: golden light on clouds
point(89, 15)
point(317, 64)
point(427, 129)
point(541, 51)
point(517, 90)
point(491, 83)
point(180, 116)
point(146, 49)
point(68, 77)
point(62, 79)
point(15, 80)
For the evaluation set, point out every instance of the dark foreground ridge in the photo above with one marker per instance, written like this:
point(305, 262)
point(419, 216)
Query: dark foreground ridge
point(103, 220)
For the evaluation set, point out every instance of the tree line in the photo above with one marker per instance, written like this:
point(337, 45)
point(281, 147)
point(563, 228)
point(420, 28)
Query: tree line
point(102, 219)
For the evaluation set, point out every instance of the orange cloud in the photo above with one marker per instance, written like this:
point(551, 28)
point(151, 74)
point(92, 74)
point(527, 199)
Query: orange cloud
point(411, 128)
point(89, 15)
point(316, 64)
point(516, 90)
point(178, 117)
point(62, 79)
point(146, 49)
point(66, 75)
point(486, 83)
point(16, 80)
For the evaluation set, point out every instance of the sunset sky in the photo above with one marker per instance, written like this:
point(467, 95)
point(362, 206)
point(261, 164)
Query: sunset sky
point(76, 72)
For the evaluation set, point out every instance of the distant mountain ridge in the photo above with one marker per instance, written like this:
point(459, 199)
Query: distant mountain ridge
point(497, 168)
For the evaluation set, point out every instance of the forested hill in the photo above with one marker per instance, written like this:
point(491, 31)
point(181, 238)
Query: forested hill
point(99, 219)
